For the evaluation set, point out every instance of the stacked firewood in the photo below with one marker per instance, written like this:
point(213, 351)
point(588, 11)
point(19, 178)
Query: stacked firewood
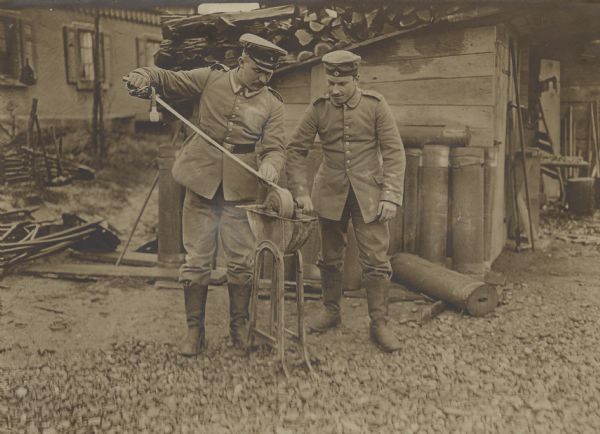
point(304, 31)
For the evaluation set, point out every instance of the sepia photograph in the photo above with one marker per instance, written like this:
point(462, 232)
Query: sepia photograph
point(280, 217)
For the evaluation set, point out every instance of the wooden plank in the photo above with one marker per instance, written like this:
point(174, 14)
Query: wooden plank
point(293, 87)
point(73, 271)
point(318, 82)
point(476, 91)
point(470, 65)
point(130, 258)
point(480, 137)
point(435, 44)
point(444, 115)
point(295, 94)
point(98, 270)
point(501, 97)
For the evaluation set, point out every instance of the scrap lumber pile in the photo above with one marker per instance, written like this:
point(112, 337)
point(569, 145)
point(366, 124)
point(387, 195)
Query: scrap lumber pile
point(28, 165)
point(40, 159)
point(24, 239)
point(306, 32)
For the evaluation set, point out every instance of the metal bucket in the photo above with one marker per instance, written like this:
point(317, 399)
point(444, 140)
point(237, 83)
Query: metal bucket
point(580, 196)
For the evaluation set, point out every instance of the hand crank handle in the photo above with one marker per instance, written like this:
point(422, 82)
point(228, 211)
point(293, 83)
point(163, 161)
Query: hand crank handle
point(214, 143)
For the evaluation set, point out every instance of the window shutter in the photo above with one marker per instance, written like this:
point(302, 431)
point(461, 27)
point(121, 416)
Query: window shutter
point(70, 45)
point(27, 44)
point(106, 60)
point(141, 51)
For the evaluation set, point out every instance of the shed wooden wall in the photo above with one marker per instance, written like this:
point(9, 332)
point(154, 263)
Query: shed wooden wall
point(450, 78)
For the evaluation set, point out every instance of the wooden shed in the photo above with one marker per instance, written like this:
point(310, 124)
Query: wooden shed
point(440, 78)
point(444, 68)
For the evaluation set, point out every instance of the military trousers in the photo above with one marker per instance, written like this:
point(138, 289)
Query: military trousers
point(204, 221)
point(372, 240)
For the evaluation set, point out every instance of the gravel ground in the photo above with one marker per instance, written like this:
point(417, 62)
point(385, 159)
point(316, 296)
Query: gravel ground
point(100, 357)
point(532, 366)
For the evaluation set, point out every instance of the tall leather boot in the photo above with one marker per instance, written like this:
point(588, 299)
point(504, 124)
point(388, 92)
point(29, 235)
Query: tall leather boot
point(195, 308)
point(330, 316)
point(239, 299)
point(377, 300)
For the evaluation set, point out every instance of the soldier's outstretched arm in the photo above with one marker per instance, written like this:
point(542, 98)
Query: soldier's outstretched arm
point(178, 85)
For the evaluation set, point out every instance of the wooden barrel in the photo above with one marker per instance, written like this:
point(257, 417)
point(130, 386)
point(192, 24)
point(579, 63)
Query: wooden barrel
point(581, 196)
point(467, 210)
point(434, 204)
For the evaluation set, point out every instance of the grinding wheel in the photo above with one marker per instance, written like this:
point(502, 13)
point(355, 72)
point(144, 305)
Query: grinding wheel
point(280, 201)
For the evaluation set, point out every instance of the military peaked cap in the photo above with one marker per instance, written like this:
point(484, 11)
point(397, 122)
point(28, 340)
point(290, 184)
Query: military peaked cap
point(341, 63)
point(264, 53)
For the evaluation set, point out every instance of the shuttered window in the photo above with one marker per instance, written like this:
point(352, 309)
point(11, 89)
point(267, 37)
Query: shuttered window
point(79, 56)
point(146, 48)
point(16, 49)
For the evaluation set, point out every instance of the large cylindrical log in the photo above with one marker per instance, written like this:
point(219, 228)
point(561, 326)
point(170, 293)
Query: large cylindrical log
point(489, 189)
point(467, 210)
point(434, 204)
point(411, 201)
point(459, 290)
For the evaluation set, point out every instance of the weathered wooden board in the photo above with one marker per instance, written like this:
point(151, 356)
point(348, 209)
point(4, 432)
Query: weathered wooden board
point(470, 65)
point(98, 270)
point(447, 115)
point(294, 86)
point(481, 137)
point(435, 44)
point(501, 97)
point(477, 91)
point(130, 258)
point(295, 94)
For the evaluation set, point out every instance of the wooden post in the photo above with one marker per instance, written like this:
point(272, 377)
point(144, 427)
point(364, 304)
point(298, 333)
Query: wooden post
point(98, 141)
point(170, 206)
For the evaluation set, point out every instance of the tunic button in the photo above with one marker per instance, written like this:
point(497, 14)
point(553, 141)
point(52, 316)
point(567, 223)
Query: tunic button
point(347, 152)
point(347, 144)
point(347, 161)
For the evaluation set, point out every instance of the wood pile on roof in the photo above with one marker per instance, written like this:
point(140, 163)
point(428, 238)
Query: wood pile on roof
point(306, 32)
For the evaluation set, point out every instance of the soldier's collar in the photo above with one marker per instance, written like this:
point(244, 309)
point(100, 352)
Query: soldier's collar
point(352, 101)
point(237, 87)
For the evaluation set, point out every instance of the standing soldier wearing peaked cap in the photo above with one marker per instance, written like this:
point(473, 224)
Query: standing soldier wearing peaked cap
point(238, 110)
point(361, 177)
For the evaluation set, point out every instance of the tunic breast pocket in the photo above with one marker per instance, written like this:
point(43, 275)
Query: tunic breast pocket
point(254, 119)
